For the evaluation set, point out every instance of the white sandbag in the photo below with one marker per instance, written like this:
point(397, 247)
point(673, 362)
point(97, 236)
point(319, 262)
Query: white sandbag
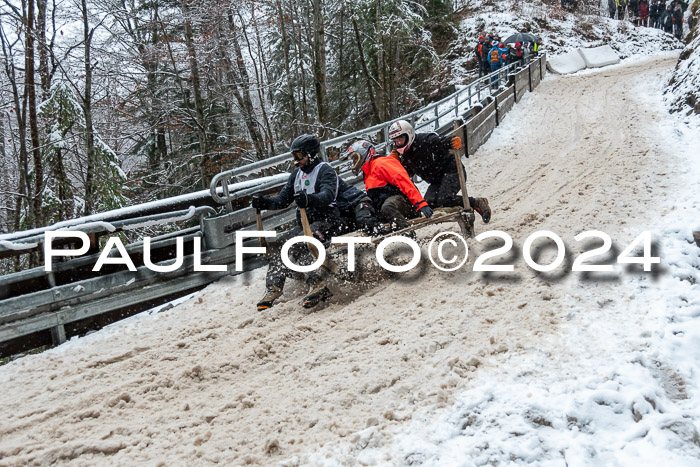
point(599, 56)
point(570, 62)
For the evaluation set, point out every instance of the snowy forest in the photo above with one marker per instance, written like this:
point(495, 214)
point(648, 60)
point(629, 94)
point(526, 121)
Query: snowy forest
point(108, 103)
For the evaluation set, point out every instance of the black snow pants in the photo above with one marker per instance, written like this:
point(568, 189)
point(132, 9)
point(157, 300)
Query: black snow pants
point(299, 253)
point(395, 210)
point(444, 193)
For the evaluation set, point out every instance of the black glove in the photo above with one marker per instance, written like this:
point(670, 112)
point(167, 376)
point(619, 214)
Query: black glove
point(301, 198)
point(426, 211)
point(258, 202)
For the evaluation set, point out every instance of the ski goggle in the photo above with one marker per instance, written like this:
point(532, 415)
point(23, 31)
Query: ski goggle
point(298, 156)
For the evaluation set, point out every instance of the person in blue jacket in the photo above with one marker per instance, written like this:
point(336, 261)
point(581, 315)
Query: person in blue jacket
point(496, 61)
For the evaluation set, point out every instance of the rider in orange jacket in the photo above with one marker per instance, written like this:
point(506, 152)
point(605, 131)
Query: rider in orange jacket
point(388, 185)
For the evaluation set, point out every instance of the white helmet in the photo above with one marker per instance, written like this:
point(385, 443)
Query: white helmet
point(401, 132)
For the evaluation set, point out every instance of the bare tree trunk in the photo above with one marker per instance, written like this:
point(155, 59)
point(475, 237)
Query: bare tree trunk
point(390, 74)
point(287, 61)
point(150, 63)
point(45, 74)
point(90, 184)
point(337, 116)
point(198, 103)
point(300, 68)
point(260, 80)
point(381, 94)
point(365, 71)
point(243, 96)
point(30, 90)
point(20, 110)
point(319, 47)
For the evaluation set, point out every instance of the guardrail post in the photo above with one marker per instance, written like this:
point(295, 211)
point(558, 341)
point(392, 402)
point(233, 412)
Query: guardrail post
point(437, 119)
point(229, 204)
point(58, 334)
point(385, 133)
point(51, 278)
point(323, 153)
point(457, 106)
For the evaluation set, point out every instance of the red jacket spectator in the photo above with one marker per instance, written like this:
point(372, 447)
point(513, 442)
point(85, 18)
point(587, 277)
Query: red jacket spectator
point(643, 12)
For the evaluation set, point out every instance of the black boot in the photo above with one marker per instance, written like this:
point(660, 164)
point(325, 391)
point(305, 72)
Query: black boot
point(319, 294)
point(481, 205)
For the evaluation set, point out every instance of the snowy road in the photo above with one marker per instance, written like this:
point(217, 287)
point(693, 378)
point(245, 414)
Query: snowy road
point(399, 373)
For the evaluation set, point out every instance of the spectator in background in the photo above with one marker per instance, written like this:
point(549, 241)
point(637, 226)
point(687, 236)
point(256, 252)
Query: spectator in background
point(677, 20)
point(481, 50)
point(495, 62)
point(662, 9)
point(536, 47)
point(518, 54)
point(504, 53)
point(643, 12)
point(667, 20)
point(621, 5)
point(633, 8)
point(612, 8)
point(654, 11)
point(526, 52)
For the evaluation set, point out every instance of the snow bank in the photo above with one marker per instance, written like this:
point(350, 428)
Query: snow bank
point(577, 60)
point(599, 56)
point(570, 62)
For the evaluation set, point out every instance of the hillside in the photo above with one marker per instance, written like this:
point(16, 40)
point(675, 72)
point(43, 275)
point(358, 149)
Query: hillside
point(684, 90)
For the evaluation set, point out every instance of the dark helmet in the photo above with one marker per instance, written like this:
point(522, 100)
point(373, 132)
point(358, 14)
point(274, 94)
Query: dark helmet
point(308, 145)
point(360, 152)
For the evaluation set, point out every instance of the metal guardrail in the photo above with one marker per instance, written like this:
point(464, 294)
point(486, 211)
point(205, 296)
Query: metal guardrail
point(52, 301)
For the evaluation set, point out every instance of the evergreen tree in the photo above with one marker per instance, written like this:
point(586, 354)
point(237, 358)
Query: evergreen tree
point(64, 156)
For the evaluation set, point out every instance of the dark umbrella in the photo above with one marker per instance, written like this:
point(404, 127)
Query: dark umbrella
point(520, 37)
